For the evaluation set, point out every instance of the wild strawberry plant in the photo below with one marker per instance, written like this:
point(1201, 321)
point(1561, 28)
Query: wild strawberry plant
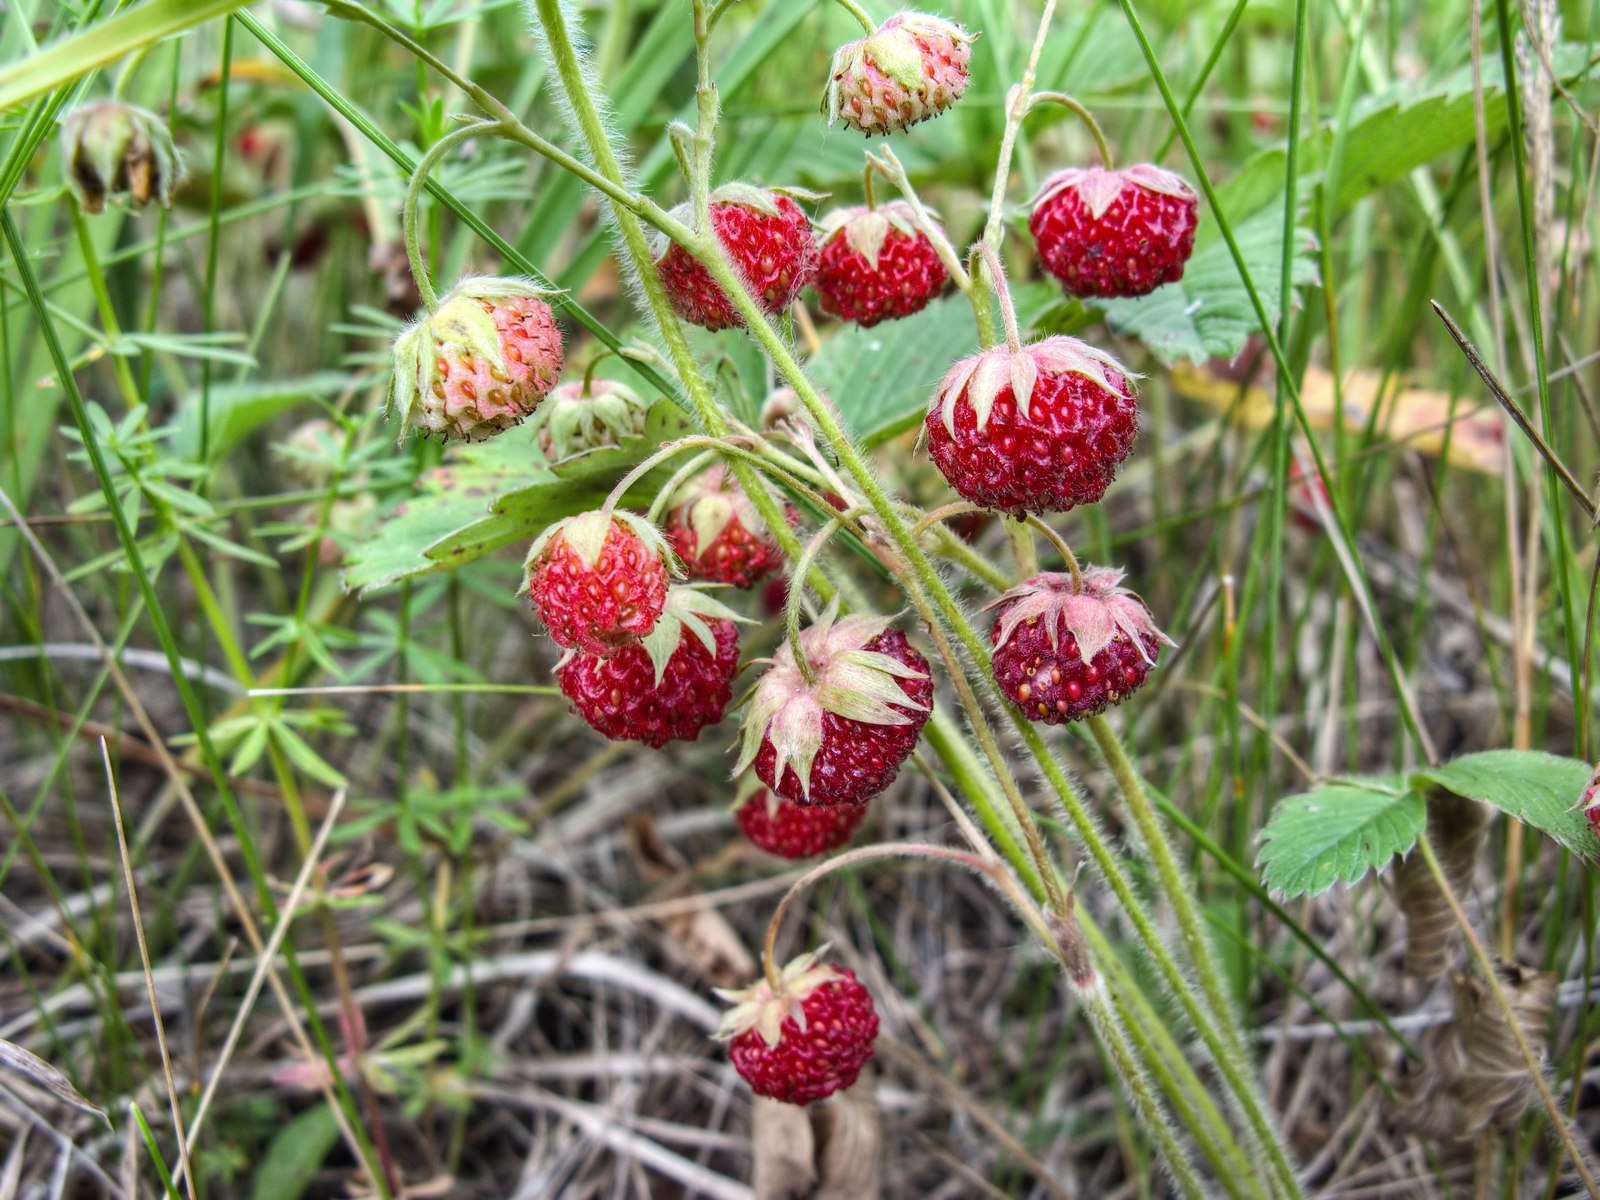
point(723, 464)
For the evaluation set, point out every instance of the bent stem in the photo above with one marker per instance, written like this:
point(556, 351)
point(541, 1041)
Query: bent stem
point(1558, 1121)
point(991, 870)
point(419, 180)
point(1071, 105)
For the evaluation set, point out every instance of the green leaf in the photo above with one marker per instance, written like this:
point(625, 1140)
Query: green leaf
point(1208, 314)
point(295, 1155)
point(1339, 831)
point(238, 410)
point(105, 43)
point(495, 494)
point(1536, 788)
point(881, 378)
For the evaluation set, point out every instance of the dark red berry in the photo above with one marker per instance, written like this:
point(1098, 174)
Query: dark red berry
point(1114, 233)
point(840, 739)
point(876, 265)
point(1057, 447)
point(807, 1040)
point(1066, 649)
point(622, 698)
point(768, 240)
point(718, 533)
point(780, 826)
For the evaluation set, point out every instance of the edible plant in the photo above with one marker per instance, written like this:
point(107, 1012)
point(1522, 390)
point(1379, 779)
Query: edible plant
point(741, 535)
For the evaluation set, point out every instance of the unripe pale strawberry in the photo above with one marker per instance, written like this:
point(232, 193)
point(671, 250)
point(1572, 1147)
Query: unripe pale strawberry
point(1114, 233)
point(599, 581)
point(780, 826)
point(718, 533)
point(912, 68)
point(117, 150)
point(667, 687)
point(876, 264)
point(1067, 649)
point(840, 737)
point(804, 1040)
point(1042, 429)
point(767, 239)
point(589, 415)
point(477, 364)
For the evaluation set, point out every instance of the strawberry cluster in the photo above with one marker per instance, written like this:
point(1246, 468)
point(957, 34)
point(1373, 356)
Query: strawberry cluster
point(651, 651)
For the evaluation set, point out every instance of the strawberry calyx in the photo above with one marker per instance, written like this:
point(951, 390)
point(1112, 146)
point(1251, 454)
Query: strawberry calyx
point(689, 610)
point(764, 1008)
point(787, 709)
point(982, 377)
point(865, 229)
point(1099, 188)
point(589, 414)
point(1094, 611)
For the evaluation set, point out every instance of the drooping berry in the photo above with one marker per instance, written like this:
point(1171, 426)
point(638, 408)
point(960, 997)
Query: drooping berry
point(669, 686)
point(581, 416)
point(912, 68)
point(1065, 650)
point(780, 826)
point(599, 581)
point(804, 1040)
point(119, 151)
point(767, 239)
point(1042, 429)
point(1114, 233)
point(1590, 801)
point(876, 264)
point(840, 737)
point(477, 364)
point(718, 533)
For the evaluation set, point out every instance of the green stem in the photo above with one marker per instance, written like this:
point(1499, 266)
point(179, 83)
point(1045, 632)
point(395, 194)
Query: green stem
point(856, 11)
point(419, 180)
point(1084, 115)
point(1173, 884)
point(1242, 1089)
point(1102, 1015)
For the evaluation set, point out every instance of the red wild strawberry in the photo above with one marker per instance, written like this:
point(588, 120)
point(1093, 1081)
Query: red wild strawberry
point(478, 363)
point(780, 826)
point(767, 239)
point(599, 581)
point(804, 1039)
point(589, 415)
point(912, 68)
point(1040, 429)
point(1065, 649)
point(1590, 801)
point(876, 264)
point(1114, 233)
point(840, 737)
point(667, 687)
point(718, 533)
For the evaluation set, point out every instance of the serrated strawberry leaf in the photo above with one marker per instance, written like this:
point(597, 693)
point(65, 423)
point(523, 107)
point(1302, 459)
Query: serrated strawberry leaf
point(495, 494)
point(1208, 313)
point(1536, 788)
point(1337, 832)
point(882, 378)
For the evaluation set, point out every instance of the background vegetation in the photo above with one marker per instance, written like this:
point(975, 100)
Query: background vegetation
point(501, 970)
